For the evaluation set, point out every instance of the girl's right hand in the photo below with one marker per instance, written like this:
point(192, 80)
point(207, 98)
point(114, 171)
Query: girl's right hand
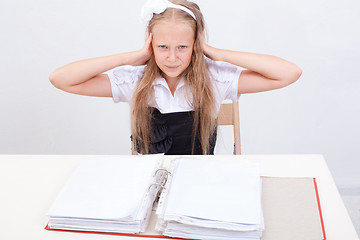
point(143, 55)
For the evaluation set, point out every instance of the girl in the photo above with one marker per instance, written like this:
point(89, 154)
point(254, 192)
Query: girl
point(174, 90)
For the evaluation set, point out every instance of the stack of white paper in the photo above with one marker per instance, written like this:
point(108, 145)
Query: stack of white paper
point(212, 199)
point(113, 194)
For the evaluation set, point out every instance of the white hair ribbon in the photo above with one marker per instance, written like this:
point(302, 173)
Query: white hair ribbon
point(159, 6)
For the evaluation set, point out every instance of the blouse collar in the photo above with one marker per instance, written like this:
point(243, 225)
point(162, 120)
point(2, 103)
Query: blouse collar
point(161, 81)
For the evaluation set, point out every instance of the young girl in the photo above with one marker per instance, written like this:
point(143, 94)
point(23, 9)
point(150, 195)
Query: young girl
point(174, 91)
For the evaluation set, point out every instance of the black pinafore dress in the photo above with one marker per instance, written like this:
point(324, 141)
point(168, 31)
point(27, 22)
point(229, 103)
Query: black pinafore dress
point(172, 134)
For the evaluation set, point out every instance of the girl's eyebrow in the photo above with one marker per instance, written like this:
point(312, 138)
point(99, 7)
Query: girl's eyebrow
point(162, 44)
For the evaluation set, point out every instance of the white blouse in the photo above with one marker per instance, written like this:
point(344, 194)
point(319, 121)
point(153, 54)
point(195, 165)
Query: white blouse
point(124, 79)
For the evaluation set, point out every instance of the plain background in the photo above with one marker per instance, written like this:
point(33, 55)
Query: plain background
point(319, 114)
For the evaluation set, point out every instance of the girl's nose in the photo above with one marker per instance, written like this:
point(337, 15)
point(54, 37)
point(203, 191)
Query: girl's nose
point(172, 56)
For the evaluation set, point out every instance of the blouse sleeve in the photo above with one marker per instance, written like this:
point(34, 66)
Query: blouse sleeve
point(225, 79)
point(123, 81)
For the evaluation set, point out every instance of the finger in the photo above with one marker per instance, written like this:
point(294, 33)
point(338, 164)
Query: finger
point(147, 33)
point(149, 38)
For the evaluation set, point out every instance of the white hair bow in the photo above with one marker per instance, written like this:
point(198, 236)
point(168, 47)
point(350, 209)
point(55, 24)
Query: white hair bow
point(159, 6)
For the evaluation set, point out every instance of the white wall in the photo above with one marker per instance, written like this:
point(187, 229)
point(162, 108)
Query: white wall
point(317, 114)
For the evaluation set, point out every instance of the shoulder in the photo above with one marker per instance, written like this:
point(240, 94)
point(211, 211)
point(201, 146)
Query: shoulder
point(224, 77)
point(223, 71)
point(126, 74)
point(123, 81)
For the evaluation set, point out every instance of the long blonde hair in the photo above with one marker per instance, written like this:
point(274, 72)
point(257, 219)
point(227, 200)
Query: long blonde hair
point(197, 79)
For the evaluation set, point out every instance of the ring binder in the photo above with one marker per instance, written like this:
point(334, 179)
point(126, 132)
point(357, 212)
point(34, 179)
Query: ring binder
point(193, 199)
point(164, 180)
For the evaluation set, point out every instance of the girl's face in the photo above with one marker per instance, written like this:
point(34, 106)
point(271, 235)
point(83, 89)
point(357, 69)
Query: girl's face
point(173, 44)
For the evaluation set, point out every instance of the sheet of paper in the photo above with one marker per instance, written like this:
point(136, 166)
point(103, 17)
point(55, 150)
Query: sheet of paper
point(106, 188)
point(214, 190)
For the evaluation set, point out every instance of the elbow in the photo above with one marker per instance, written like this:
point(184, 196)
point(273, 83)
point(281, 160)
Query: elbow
point(55, 80)
point(293, 75)
point(297, 73)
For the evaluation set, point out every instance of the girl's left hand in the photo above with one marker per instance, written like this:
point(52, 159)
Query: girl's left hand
point(209, 51)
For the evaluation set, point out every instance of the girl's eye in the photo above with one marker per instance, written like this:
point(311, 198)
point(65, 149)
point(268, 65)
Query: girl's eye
point(182, 47)
point(162, 46)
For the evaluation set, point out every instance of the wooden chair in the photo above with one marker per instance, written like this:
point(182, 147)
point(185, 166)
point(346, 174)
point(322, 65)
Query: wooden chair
point(229, 115)
point(133, 152)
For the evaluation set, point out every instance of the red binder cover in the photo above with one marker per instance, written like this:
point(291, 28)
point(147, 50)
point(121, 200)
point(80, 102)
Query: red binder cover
point(319, 207)
point(118, 234)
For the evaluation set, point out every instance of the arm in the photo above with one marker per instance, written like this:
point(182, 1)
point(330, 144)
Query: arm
point(86, 77)
point(264, 72)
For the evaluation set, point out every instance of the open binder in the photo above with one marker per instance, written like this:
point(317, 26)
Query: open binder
point(197, 199)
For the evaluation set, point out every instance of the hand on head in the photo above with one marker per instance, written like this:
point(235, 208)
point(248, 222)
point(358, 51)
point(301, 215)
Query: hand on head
point(141, 56)
point(208, 50)
point(203, 42)
point(147, 48)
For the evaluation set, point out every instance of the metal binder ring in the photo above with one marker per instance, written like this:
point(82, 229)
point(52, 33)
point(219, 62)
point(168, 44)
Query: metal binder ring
point(162, 169)
point(162, 185)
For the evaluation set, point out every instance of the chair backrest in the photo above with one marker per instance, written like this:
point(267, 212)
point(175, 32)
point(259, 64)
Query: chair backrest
point(133, 152)
point(229, 115)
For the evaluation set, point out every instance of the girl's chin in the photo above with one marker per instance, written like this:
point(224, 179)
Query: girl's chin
point(171, 74)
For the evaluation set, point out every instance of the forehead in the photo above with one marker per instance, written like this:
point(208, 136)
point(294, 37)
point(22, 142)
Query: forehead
point(173, 31)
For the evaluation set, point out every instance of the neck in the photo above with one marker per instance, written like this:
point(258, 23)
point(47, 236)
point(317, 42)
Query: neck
point(172, 83)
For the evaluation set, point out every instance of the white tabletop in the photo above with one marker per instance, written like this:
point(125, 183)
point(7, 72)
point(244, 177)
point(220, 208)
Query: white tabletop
point(29, 184)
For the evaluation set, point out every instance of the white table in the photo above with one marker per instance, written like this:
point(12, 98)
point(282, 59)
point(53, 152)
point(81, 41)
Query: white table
point(30, 183)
